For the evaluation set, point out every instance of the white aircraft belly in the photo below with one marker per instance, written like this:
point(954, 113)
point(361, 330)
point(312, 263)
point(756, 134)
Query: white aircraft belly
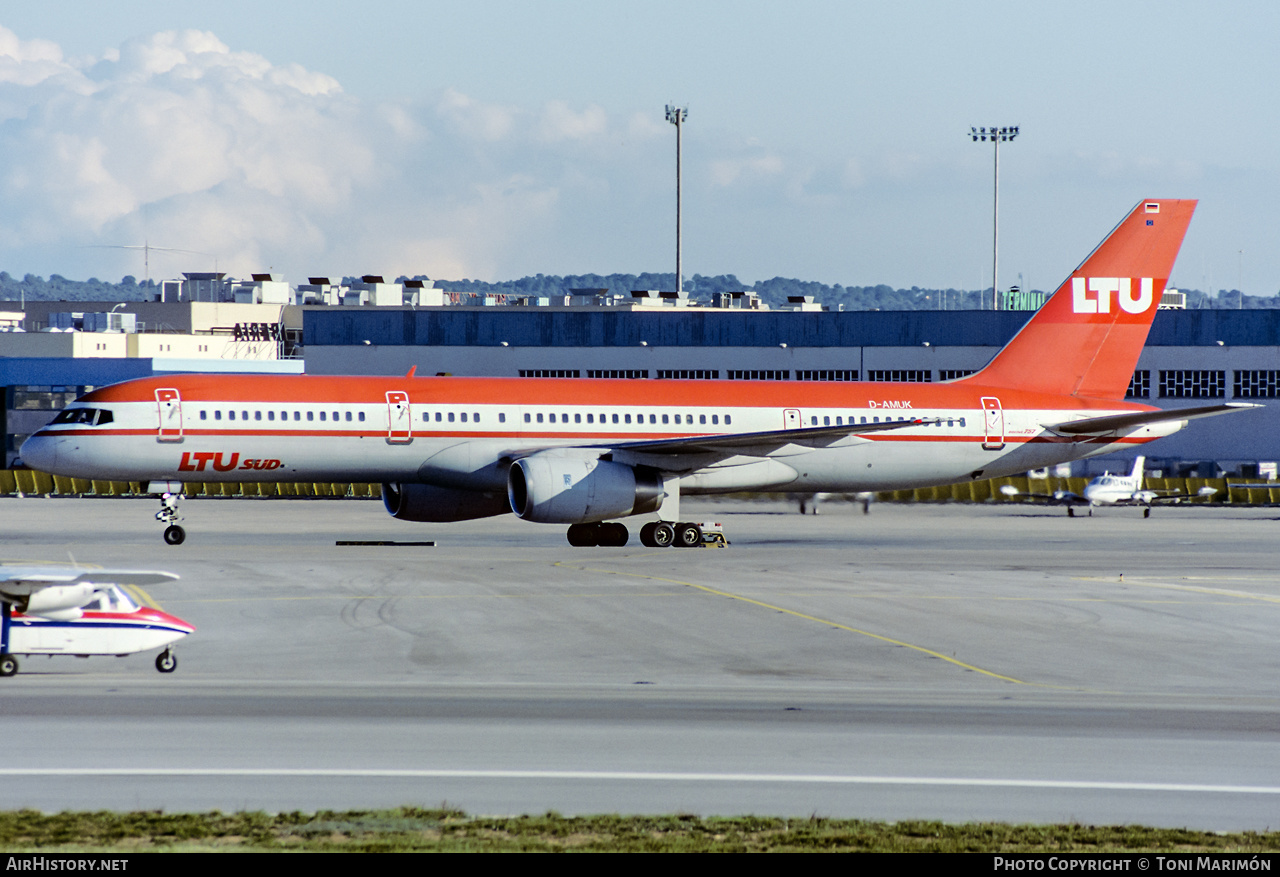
point(32, 636)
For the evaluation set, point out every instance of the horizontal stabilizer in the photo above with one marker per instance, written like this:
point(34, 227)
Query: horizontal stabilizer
point(1115, 422)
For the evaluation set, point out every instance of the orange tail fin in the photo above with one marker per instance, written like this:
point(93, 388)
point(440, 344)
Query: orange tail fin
point(1086, 339)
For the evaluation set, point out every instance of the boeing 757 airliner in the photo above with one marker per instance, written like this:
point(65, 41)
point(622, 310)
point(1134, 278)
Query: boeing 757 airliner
point(587, 452)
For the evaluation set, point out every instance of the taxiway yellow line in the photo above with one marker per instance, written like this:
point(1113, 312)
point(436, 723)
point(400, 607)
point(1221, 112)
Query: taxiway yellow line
point(775, 608)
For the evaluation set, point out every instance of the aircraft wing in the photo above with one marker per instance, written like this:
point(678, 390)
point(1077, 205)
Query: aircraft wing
point(22, 581)
point(761, 443)
point(1115, 422)
point(1060, 497)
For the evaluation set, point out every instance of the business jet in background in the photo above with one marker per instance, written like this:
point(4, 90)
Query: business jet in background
point(74, 610)
point(1108, 489)
point(588, 452)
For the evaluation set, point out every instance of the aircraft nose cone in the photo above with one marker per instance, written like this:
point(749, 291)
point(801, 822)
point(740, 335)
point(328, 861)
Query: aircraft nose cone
point(40, 452)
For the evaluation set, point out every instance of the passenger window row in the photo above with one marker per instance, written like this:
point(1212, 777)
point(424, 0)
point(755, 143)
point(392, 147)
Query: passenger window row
point(311, 416)
point(938, 420)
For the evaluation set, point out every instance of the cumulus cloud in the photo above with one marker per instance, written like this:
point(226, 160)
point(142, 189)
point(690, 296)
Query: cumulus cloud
point(181, 141)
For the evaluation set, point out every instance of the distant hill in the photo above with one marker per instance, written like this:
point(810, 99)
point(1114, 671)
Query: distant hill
point(773, 292)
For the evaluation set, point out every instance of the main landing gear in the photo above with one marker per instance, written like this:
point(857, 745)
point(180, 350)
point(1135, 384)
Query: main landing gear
point(606, 535)
point(655, 534)
point(663, 534)
point(169, 514)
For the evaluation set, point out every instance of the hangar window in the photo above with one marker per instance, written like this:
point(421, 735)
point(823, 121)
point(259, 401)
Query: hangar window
point(904, 375)
point(1257, 384)
point(1193, 384)
point(1140, 385)
point(828, 375)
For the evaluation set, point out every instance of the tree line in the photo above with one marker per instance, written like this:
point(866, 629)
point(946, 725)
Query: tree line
point(774, 292)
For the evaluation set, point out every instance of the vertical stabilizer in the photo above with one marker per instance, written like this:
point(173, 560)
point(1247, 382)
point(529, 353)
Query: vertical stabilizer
point(1137, 471)
point(1085, 340)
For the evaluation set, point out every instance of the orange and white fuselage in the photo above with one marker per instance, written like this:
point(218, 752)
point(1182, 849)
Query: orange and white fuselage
point(581, 451)
point(409, 429)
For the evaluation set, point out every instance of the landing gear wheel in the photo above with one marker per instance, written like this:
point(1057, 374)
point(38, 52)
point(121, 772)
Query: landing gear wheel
point(1146, 513)
point(646, 535)
point(664, 535)
point(8, 665)
point(584, 535)
point(614, 535)
point(166, 661)
point(174, 535)
point(1071, 513)
point(688, 535)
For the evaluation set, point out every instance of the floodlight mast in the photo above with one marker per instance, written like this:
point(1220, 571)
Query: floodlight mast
point(678, 116)
point(997, 135)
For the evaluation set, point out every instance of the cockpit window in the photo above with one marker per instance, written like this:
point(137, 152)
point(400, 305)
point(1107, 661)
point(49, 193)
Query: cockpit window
point(90, 416)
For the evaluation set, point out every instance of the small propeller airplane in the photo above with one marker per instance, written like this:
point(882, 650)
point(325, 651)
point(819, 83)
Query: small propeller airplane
point(1108, 489)
point(72, 610)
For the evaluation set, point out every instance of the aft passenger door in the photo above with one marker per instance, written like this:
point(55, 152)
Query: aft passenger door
point(791, 418)
point(169, 403)
point(399, 418)
point(993, 418)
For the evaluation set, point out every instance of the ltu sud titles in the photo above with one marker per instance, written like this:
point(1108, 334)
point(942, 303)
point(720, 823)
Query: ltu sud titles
point(1133, 863)
point(194, 461)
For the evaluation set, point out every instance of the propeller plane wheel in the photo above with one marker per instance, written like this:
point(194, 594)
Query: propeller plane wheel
point(1146, 513)
point(174, 535)
point(8, 665)
point(166, 661)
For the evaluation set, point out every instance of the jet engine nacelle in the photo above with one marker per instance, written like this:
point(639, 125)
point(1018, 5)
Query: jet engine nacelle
point(441, 505)
point(553, 489)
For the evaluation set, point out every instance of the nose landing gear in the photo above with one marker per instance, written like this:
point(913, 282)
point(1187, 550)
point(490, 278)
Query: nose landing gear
point(169, 514)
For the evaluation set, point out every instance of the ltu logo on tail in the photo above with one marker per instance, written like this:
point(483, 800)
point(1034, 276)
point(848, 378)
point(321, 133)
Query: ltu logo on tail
point(1104, 288)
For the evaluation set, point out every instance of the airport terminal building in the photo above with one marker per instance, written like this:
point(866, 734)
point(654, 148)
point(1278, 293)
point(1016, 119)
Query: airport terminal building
point(1191, 355)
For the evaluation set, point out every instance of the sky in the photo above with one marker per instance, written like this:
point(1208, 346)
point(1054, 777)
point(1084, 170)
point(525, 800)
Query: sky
point(827, 140)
